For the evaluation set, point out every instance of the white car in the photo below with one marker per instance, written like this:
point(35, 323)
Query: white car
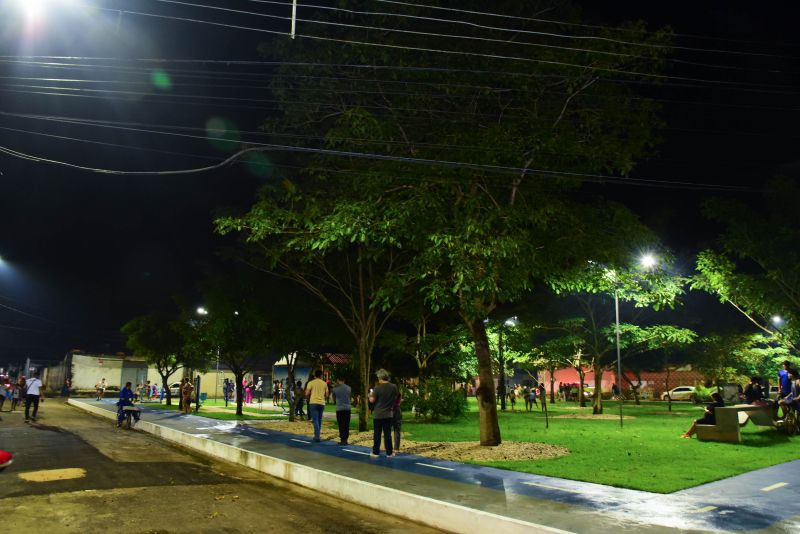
point(679, 393)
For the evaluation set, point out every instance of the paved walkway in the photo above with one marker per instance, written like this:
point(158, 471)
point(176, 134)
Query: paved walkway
point(767, 500)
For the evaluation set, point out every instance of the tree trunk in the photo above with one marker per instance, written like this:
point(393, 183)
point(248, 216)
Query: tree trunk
point(597, 398)
point(552, 387)
point(581, 397)
point(489, 425)
point(239, 376)
point(364, 360)
point(666, 388)
point(165, 385)
point(290, 396)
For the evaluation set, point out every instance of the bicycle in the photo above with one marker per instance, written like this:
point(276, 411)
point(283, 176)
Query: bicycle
point(790, 424)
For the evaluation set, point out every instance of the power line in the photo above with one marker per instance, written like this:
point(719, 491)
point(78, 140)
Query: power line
point(260, 147)
point(751, 88)
point(474, 38)
point(600, 27)
point(439, 51)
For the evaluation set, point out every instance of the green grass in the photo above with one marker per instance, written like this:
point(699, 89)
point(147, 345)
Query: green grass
point(647, 454)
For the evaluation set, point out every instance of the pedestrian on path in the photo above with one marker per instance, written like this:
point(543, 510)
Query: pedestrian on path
point(382, 399)
point(341, 395)
point(34, 392)
point(300, 396)
point(17, 395)
point(317, 395)
point(397, 421)
point(4, 390)
point(186, 395)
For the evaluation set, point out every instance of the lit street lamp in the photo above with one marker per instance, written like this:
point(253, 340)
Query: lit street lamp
point(511, 321)
point(647, 261)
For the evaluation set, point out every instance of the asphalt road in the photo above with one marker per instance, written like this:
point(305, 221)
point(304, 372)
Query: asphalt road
point(74, 472)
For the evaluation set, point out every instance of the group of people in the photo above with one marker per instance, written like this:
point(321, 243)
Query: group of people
point(250, 389)
point(30, 390)
point(13, 392)
point(527, 393)
point(757, 393)
point(384, 403)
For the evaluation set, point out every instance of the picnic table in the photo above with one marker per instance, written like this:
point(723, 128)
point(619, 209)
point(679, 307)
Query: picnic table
point(730, 420)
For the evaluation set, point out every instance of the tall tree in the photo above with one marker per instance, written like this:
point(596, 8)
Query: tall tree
point(462, 153)
point(756, 267)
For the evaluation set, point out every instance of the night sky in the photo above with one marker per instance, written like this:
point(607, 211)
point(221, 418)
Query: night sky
point(83, 252)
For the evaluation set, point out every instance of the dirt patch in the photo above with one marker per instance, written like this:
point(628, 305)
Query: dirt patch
point(599, 417)
point(457, 451)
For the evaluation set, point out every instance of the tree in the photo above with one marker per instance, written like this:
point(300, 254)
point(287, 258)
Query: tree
point(756, 267)
point(590, 286)
point(639, 344)
point(159, 339)
point(732, 357)
point(469, 172)
point(233, 330)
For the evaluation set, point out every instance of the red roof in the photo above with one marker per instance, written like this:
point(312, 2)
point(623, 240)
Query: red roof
point(333, 358)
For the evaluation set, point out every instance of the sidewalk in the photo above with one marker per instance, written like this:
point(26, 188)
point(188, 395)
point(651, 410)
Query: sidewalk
point(464, 497)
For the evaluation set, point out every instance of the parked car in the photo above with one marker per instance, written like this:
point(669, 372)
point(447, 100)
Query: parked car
point(679, 393)
point(175, 389)
point(774, 391)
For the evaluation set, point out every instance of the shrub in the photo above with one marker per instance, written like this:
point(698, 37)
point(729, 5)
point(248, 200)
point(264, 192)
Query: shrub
point(703, 394)
point(436, 399)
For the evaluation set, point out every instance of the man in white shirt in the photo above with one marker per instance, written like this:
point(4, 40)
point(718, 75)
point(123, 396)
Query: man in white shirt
point(34, 390)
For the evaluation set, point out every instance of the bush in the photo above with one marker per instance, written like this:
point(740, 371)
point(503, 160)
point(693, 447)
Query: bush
point(703, 394)
point(436, 399)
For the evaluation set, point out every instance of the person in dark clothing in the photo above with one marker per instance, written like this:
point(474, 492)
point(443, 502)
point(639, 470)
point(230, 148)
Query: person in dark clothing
point(753, 391)
point(710, 418)
point(383, 398)
point(341, 394)
point(125, 399)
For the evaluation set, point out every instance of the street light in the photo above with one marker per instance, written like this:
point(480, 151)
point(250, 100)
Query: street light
point(647, 261)
point(511, 321)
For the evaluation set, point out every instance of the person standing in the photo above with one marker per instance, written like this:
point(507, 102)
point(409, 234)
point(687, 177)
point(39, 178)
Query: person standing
point(3, 391)
point(299, 395)
point(397, 421)
point(382, 398)
point(34, 392)
point(341, 395)
point(102, 389)
point(317, 395)
point(186, 395)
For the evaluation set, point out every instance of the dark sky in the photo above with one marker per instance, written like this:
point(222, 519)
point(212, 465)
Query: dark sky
point(84, 252)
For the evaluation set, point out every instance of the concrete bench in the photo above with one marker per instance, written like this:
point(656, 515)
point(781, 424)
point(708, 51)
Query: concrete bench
point(730, 419)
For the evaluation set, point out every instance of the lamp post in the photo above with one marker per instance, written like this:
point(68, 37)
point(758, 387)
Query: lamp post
point(511, 321)
point(202, 311)
point(647, 261)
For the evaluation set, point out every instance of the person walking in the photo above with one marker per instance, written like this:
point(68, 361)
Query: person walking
point(341, 395)
point(299, 394)
point(18, 395)
point(34, 393)
point(317, 395)
point(382, 398)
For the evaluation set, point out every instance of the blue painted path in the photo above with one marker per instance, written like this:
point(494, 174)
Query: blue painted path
point(767, 499)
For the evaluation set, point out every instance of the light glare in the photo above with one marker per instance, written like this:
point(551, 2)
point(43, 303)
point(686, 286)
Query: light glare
point(648, 261)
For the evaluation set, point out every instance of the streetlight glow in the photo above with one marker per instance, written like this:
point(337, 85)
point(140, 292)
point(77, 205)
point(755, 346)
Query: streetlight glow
point(202, 311)
point(648, 261)
point(777, 320)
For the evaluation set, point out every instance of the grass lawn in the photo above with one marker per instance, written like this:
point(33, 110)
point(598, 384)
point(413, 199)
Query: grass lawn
point(647, 454)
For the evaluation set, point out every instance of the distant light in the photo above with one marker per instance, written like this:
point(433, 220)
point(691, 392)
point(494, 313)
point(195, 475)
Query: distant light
point(235, 312)
point(777, 320)
point(648, 261)
point(511, 321)
point(202, 311)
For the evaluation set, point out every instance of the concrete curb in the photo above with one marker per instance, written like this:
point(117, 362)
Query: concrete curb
point(442, 515)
